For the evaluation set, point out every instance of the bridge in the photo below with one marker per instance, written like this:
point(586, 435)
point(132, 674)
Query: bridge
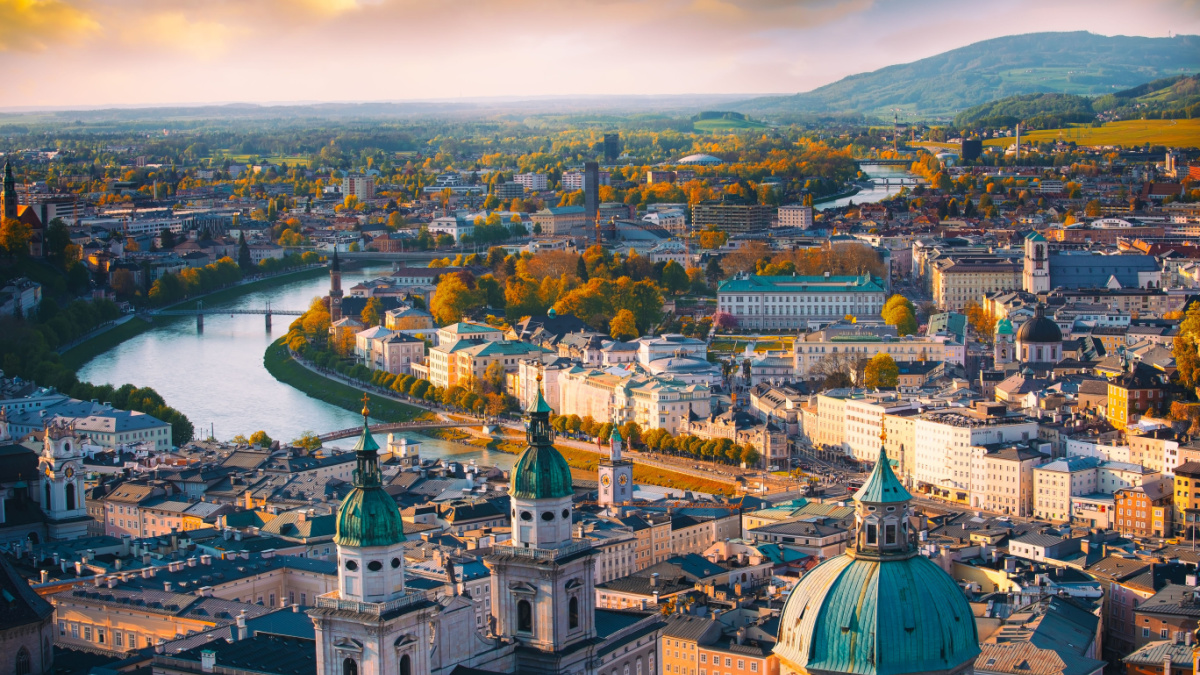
point(403, 426)
point(199, 311)
point(885, 162)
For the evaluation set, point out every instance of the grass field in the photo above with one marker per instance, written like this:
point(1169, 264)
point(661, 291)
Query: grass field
point(727, 125)
point(289, 160)
point(1179, 133)
point(285, 369)
point(737, 346)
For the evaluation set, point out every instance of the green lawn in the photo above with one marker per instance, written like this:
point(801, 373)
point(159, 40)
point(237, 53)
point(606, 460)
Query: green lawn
point(285, 369)
point(291, 160)
point(727, 125)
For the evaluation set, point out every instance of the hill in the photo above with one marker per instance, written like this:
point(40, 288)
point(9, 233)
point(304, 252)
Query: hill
point(1167, 98)
point(1078, 63)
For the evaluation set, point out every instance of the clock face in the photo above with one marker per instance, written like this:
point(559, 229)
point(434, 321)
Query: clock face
point(605, 480)
point(622, 480)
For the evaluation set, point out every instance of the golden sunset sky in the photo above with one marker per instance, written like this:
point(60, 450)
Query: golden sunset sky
point(92, 53)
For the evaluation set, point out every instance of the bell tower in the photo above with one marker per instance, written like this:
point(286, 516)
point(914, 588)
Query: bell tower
point(543, 593)
point(61, 469)
point(616, 474)
point(1035, 275)
point(8, 200)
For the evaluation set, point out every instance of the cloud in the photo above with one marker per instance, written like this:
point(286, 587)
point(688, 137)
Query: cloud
point(174, 30)
point(33, 25)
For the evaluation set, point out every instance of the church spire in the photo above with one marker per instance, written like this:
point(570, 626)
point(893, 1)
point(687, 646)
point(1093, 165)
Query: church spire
point(8, 201)
point(366, 475)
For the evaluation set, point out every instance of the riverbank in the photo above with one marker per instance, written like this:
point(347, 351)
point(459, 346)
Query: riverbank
point(280, 364)
point(840, 195)
point(103, 340)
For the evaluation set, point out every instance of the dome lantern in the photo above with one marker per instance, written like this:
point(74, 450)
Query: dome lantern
point(368, 516)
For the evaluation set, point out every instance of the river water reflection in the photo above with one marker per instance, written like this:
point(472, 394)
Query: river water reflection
point(874, 194)
point(216, 376)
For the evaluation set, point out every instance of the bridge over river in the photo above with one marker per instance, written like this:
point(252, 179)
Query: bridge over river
point(405, 426)
point(199, 311)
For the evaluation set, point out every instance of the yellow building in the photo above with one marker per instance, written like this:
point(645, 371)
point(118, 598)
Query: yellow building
point(1187, 498)
point(957, 282)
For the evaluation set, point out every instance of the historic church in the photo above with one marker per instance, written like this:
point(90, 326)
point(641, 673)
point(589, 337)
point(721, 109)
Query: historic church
point(543, 611)
point(11, 210)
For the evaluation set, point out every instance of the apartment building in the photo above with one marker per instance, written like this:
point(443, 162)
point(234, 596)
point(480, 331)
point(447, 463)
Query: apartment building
point(1009, 477)
point(561, 219)
point(796, 215)
point(943, 442)
point(732, 217)
point(864, 423)
point(531, 181)
point(815, 350)
point(1055, 483)
point(1144, 510)
point(362, 187)
point(956, 282)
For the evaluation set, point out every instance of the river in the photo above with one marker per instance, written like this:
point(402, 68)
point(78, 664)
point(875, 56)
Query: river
point(876, 193)
point(216, 377)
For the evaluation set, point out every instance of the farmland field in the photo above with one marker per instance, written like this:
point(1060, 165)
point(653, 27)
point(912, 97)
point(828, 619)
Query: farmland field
point(726, 125)
point(1184, 133)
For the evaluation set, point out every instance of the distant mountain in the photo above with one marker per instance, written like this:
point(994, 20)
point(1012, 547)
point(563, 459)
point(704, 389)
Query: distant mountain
point(1070, 63)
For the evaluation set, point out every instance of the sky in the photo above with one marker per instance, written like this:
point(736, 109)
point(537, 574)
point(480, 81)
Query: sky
point(97, 53)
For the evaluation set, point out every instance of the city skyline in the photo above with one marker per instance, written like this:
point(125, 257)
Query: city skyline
point(80, 54)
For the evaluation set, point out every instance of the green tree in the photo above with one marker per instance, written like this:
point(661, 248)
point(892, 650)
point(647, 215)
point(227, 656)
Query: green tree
point(675, 278)
point(881, 371)
point(244, 260)
point(713, 272)
point(58, 238)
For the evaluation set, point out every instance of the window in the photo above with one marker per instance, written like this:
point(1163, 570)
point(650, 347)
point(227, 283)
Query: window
point(22, 665)
point(349, 667)
point(524, 617)
point(405, 665)
point(1145, 632)
point(872, 536)
point(573, 612)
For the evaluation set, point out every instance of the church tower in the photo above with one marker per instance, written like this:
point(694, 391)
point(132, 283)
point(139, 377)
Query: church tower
point(8, 201)
point(616, 474)
point(61, 469)
point(1003, 350)
point(335, 288)
point(1035, 277)
point(543, 595)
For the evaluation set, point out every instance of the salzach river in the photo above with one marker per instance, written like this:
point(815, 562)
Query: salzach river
point(874, 194)
point(216, 377)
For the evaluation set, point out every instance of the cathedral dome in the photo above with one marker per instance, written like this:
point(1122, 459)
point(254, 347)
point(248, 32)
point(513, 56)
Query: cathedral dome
point(881, 608)
point(368, 515)
point(541, 472)
point(1039, 329)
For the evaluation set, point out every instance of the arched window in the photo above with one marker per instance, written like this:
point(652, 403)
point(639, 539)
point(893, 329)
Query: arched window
point(23, 665)
point(524, 617)
point(639, 666)
point(70, 496)
point(405, 665)
point(46, 504)
point(573, 612)
point(349, 667)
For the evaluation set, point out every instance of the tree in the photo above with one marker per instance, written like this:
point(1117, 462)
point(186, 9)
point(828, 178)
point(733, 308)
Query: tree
point(581, 270)
point(14, 237)
point(898, 311)
point(623, 326)
point(58, 239)
point(372, 314)
point(713, 272)
point(675, 278)
point(1187, 361)
point(453, 298)
point(493, 377)
point(981, 321)
point(244, 260)
point(167, 238)
point(881, 371)
point(307, 440)
point(260, 438)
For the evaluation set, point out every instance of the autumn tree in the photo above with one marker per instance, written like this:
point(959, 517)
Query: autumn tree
point(14, 237)
point(1187, 362)
point(623, 326)
point(881, 371)
point(898, 311)
point(261, 439)
point(454, 298)
point(372, 313)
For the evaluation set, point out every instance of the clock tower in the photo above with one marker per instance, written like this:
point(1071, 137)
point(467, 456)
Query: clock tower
point(61, 470)
point(616, 474)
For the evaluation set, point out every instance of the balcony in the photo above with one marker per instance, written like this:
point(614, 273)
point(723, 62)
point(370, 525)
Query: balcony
point(333, 601)
point(550, 554)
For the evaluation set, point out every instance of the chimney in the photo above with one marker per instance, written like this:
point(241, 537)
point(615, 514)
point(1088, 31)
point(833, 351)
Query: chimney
point(126, 540)
point(45, 576)
point(741, 635)
point(112, 582)
point(208, 659)
point(145, 558)
point(301, 516)
point(167, 586)
point(1190, 579)
point(206, 591)
point(295, 608)
point(654, 580)
point(206, 559)
point(242, 631)
point(160, 647)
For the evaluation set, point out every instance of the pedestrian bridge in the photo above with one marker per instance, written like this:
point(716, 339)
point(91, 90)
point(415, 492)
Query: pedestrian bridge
point(405, 426)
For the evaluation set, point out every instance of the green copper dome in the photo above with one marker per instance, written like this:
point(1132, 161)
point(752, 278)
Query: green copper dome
point(882, 486)
point(541, 471)
point(872, 617)
point(1004, 327)
point(368, 515)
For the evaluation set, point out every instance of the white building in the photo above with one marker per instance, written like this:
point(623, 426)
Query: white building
point(796, 215)
point(531, 181)
point(452, 225)
point(799, 301)
point(944, 442)
point(362, 187)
